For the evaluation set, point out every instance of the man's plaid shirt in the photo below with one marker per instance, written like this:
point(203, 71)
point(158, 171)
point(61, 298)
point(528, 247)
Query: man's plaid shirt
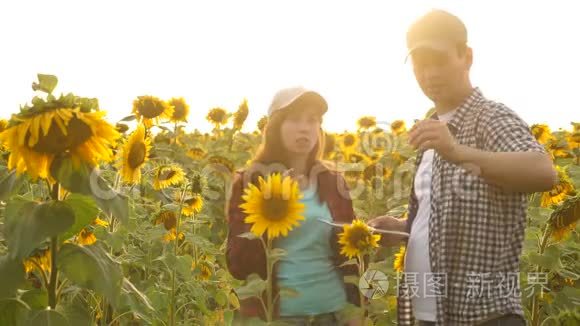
point(476, 230)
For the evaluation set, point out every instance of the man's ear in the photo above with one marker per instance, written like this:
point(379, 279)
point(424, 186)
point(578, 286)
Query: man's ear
point(468, 57)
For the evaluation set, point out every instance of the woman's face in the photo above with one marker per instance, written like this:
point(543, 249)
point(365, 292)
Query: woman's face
point(300, 130)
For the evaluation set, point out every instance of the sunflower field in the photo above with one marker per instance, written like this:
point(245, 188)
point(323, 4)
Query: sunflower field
point(123, 223)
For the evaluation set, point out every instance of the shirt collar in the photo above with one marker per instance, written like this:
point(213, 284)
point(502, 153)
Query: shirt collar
point(471, 101)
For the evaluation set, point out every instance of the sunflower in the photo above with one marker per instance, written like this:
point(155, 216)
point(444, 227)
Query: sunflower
point(348, 142)
point(399, 263)
point(398, 127)
point(193, 205)
point(134, 154)
point(367, 122)
point(558, 149)
point(86, 237)
point(560, 191)
point(217, 117)
point(172, 236)
point(241, 115)
point(180, 110)
point(196, 153)
point(262, 123)
point(356, 157)
point(162, 138)
point(542, 133)
point(99, 222)
point(197, 184)
point(574, 139)
point(274, 205)
point(168, 175)
point(34, 140)
point(222, 161)
point(376, 169)
point(204, 268)
point(151, 109)
point(564, 219)
point(41, 260)
point(169, 221)
point(357, 239)
point(167, 218)
point(3, 125)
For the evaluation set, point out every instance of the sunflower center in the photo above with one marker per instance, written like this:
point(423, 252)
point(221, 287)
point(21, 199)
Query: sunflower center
point(55, 141)
point(137, 155)
point(358, 237)
point(397, 125)
point(218, 116)
point(167, 175)
point(178, 112)
point(169, 220)
point(275, 209)
point(151, 109)
point(349, 140)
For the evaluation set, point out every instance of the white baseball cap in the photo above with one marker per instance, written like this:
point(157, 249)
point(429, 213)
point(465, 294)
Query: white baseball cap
point(287, 96)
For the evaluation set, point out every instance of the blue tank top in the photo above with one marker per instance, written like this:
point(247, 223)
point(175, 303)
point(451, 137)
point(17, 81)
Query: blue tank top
point(308, 267)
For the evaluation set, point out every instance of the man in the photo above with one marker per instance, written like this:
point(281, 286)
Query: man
point(476, 162)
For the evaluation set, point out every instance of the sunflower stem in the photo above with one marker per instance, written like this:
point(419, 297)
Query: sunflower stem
point(52, 298)
point(535, 304)
point(175, 252)
point(269, 289)
point(361, 270)
point(194, 247)
point(175, 133)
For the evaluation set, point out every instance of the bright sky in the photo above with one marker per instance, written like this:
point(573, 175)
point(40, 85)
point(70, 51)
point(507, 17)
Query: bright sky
point(215, 53)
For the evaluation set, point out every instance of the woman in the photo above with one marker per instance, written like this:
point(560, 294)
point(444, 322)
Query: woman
point(293, 144)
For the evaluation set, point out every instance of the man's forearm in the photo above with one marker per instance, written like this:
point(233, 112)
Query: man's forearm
point(392, 224)
point(513, 171)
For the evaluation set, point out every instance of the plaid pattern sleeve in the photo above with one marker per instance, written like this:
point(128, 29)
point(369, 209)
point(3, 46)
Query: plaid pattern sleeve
point(504, 131)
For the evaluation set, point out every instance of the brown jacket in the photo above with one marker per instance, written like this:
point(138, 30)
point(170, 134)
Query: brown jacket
point(245, 257)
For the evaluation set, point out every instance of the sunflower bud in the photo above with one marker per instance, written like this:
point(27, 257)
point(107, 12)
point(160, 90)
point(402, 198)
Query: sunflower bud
point(196, 185)
point(122, 128)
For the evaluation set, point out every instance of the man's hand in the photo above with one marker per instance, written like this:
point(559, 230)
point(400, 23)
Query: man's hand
point(392, 224)
point(434, 134)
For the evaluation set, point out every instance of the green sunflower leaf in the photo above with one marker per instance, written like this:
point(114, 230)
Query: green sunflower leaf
point(12, 271)
point(254, 287)
point(48, 318)
point(9, 185)
point(92, 268)
point(87, 181)
point(29, 223)
point(46, 83)
point(85, 211)
point(13, 312)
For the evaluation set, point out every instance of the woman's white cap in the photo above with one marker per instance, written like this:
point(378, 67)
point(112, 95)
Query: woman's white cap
point(287, 96)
